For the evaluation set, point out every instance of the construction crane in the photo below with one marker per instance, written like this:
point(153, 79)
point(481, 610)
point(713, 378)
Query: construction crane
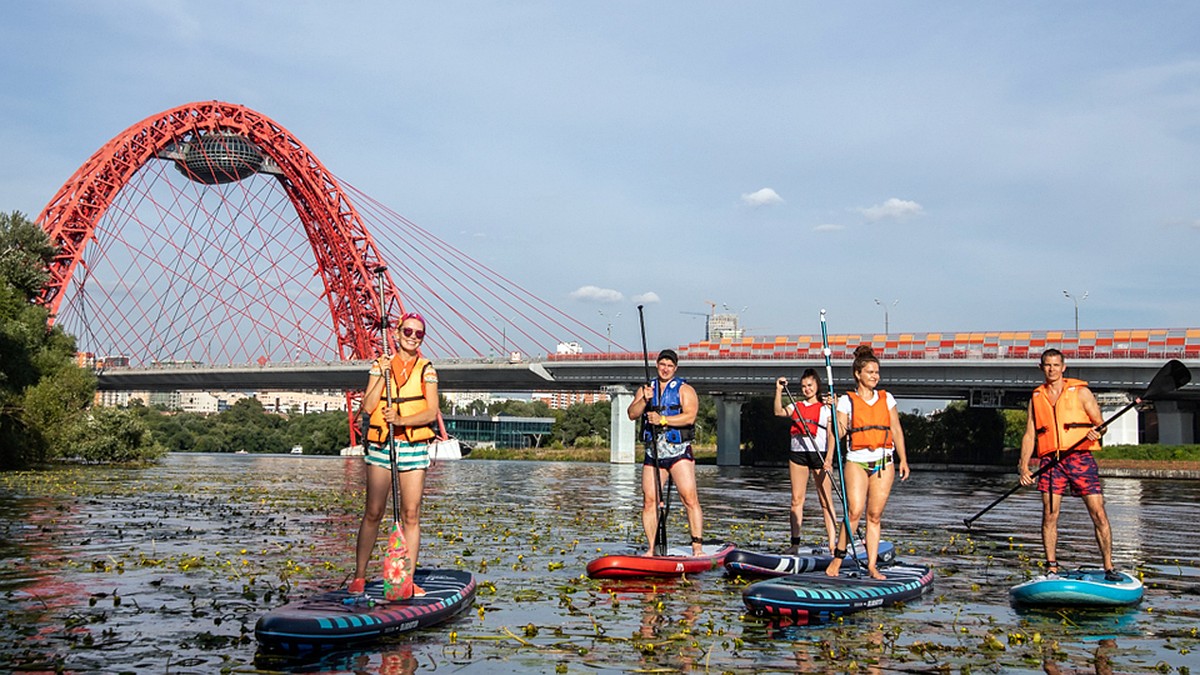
point(706, 320)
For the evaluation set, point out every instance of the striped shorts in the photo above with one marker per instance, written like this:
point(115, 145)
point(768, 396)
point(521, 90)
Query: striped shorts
point(409, 456)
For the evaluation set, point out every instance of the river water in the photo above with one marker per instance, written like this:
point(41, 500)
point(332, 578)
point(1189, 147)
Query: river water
point(167, 568)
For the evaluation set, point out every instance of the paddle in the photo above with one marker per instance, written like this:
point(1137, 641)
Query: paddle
point(397, 580)
point(1169, 378)
point(659, 545)
point(837, 440)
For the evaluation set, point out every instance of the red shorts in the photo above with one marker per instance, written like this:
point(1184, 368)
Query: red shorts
point(1077, 470)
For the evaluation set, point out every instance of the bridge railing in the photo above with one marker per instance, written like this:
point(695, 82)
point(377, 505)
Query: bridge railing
point(1156, 343)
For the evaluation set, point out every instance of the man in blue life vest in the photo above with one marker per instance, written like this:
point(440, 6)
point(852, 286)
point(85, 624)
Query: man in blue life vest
point(1063, 414)
point(669, 405)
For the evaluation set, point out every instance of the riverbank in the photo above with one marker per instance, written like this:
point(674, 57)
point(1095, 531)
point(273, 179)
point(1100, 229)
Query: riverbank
point(1112, 468)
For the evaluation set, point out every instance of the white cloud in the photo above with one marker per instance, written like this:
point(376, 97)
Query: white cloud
point(643, 298)
point(897, 209)
point(763, 197)
point(828, 227)
point(597, 294)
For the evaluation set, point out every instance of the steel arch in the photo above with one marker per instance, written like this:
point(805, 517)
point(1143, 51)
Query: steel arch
point(346, 254)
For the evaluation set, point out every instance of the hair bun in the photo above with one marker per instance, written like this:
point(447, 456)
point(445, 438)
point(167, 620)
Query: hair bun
point(864, 351)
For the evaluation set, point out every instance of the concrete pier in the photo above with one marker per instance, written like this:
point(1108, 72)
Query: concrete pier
point(622, 430)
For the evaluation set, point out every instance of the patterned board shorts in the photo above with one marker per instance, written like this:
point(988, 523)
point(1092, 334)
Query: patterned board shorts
point(1077, 471)
point(668, 462)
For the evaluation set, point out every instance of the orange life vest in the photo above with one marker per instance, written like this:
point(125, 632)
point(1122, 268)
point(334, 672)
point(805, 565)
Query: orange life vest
point(408, 396)
point(870, 423)
point(1062, 425)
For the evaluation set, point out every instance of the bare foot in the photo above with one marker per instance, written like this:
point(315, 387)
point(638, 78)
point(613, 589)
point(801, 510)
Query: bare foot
point(697, 550)
point(835, 566)
point(792, 550)
point(875, 574)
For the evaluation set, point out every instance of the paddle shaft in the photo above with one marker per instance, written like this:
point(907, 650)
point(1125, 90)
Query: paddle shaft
point(387, 388)
point(837, 438)
point(659, 545)
point(1049, 465)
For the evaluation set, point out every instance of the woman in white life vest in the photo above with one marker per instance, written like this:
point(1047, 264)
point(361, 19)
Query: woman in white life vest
point(867, 419)
point(809, 452)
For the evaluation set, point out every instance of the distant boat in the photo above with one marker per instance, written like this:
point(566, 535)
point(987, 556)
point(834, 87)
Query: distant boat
point(352, 451)
point(297, 449)
point(241, 452)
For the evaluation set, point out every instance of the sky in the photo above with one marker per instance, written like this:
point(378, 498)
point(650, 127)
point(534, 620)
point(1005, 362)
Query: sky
point(942, 166)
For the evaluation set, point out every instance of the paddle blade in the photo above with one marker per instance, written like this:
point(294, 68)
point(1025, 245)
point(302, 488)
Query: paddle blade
point(397, 577)
point(1172, 376)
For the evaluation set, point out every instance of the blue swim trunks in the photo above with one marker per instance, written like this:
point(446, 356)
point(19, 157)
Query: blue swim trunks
point(1077, 471)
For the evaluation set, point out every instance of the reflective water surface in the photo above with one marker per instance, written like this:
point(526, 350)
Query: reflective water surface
point(166, 569)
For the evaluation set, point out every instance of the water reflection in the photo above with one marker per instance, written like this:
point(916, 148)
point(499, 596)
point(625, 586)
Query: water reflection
point(168, 568)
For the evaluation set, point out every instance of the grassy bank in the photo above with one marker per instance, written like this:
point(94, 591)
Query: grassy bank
point(704, 455)
point(708, 455)
point(1160, 453)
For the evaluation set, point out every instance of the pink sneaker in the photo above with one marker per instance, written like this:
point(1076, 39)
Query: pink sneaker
point(357, 586)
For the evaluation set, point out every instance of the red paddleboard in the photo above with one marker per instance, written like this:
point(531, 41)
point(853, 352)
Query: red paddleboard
point(678, 561)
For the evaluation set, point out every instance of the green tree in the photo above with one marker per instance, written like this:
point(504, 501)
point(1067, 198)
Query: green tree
point(42, 392)
point(25, 254)
point(320, 433)
point(589, 421)
point(706, 421)
point(917, 429)
point(764, 435)
point(1014, 426)
point(966, 435)
point(112, 435)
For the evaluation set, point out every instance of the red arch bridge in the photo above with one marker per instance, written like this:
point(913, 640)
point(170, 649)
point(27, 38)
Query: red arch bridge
point(210, 234)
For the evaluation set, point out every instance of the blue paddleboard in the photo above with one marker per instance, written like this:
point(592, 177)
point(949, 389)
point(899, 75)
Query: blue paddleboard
point(337, 619)
point(813, 597)
point(1078, 588)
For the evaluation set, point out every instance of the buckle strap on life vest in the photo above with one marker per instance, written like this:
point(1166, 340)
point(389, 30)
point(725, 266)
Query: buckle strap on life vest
point(868, 427)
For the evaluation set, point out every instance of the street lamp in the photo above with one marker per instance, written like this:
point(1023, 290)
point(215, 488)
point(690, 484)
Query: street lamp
point(1076, 301)
point(885, 313)
point(608, 330)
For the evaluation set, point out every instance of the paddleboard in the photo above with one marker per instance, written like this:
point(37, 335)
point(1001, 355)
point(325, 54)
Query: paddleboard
point(678, 561)
point(753, 563)
point(1078, 588)
point(337, 619)
point(813, 597)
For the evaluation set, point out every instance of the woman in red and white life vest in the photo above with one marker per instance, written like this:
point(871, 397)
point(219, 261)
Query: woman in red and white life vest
point(414, 409)
point(867, 419)
point(809, 452)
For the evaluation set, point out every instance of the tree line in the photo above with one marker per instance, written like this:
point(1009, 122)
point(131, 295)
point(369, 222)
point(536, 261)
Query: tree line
point(959, 434)
point(45, 397)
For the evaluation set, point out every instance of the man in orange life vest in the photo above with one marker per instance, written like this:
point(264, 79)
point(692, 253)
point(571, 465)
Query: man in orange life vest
point(1063, 412)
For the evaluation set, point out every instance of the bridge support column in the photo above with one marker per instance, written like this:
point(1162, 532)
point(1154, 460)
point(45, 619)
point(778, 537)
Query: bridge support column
point(1174, 424)
point(622, 431)
point(1123, 430)
point(729, 429)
